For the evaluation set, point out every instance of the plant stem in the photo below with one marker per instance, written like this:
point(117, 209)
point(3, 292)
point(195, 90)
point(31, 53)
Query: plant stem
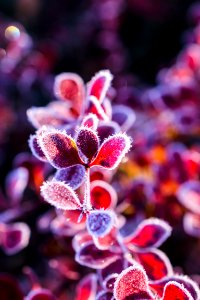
point(87, 202)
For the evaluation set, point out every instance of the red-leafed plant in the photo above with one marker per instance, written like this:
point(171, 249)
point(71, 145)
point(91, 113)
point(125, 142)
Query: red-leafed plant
point(81, 135)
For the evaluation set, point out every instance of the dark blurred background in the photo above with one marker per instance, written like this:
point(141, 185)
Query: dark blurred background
point(150, 31)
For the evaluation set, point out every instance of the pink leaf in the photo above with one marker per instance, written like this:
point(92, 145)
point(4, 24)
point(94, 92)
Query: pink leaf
point(90, 256)
point(70, 87)
point(150, 233)
point(189, 195)
point(99, 222)
point(103, 195)
point(35, 148)
point(62, 228)
point(59, 148)
point(87, 287)
point(155, 263)
point(175, 291)
point(95, 108)
point(14, 237)
point(80, 240)
point(87, 142)
point(90, 121)
point(73, 176)
point(99, 84)
point(108, 241)
point(60, 195)
point(191, 224)
point(16, 182)
point(75, 216)
point(40, 116)
point(112, 151)
point(133, 283)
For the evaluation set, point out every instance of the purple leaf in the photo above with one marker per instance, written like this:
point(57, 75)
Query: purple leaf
point(14, 237)
point(99, 222)
point(59, 148)
point(109, 281)
point(16, 182)
point(60, 195)
point(90, 256)
point(35, 148)
point(150, 233)
point(124, 116)
point(87, 142)
point(112, 151)
point(73, 176)
point(106, 129)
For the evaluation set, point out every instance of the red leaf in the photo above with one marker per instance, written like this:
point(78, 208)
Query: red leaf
point(73, 176)
point(155, 263)
point(86, 289)
point(59, 148)
point(185, 281)
point(108, 241)
point(9, 288)
point(103, 195)
point(99, 84)
point(60, 195)
point(70, 87)
point(150, 233)
point(87, 142)
point(90, 256)
point(112, 151)
point(175, 291)
point(132, 283)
